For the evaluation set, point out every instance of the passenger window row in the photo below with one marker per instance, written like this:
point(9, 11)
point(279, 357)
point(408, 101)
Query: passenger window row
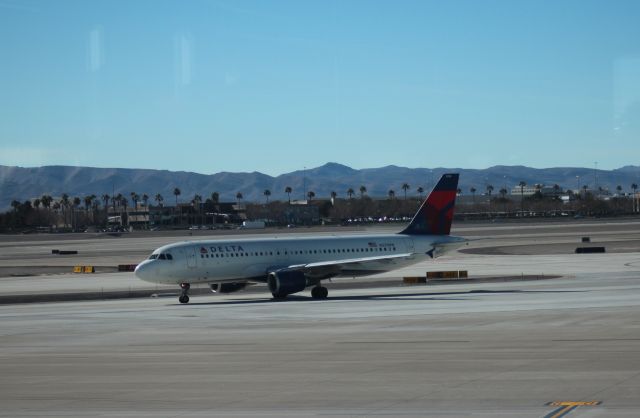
point(297, 252)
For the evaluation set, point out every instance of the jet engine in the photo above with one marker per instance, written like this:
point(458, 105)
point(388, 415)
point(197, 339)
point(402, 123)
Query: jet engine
point(285, 282)
point(227, 287)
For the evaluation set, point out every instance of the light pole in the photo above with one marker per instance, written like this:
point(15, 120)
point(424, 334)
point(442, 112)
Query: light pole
point(595, 176)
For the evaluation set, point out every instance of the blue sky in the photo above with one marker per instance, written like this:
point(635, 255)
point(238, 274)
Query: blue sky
point(274, 86)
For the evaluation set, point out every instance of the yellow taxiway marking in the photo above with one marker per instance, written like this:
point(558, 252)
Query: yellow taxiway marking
point(590, 403)
point(567, 406)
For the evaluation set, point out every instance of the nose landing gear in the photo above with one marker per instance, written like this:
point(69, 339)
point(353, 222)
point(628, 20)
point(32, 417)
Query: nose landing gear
point(184, 297)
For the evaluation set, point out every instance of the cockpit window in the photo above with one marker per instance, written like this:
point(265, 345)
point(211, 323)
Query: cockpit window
point(163, 256)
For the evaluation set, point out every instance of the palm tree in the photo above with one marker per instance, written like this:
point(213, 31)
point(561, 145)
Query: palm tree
point(489, 190)
point(117, 200)
point(197, 204)
point(145, 199)
point(36, 203)
point(288, 191)
point(177, 193)
point(538, 188)
point(311, 194)
point(87, 202)
point(420, 190)
point(634, 187)
point(334, 195)
point(350, 193)
point(158, 198)
point(215, 198)
point(473, 192)
point(405, 187)
point(46, 203)
point(124, 202)
point(267, 193)
point(105, 201)
point(522, 184)
point(76, 204)
point(239, 197)
point(56, 207)
point(15, 205)
point(391, 194)
point(459, 191)
point(503, 193)
point(64, 204)
point(363, 190)
point(134, 198)
point(619, 189)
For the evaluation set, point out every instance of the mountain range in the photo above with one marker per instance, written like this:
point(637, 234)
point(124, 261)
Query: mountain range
point(18, 183)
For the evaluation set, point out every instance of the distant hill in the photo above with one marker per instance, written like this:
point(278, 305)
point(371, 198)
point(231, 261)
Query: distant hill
point(24, 183)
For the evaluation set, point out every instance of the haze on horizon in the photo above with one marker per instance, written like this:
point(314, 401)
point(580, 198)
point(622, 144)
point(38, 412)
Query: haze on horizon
point(276, 86)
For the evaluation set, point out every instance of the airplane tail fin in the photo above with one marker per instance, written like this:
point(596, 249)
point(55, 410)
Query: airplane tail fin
point(436, 213)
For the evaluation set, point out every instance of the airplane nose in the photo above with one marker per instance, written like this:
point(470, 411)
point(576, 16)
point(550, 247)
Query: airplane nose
point(144, 270)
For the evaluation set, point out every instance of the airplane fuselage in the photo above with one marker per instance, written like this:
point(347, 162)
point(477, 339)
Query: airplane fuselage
point(218, 261)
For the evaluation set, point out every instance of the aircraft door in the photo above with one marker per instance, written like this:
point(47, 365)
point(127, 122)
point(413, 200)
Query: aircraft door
point(409, 243)
point(282, 256)
point(190, 253)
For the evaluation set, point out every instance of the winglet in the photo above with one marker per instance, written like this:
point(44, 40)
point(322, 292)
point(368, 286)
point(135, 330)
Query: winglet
point(436, 213)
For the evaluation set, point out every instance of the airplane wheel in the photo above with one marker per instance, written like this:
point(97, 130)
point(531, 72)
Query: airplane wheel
point(278, 296)
point(184, 297)
point(319, 292)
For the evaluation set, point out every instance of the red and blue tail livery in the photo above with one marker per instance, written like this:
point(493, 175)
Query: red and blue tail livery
point(436, 213)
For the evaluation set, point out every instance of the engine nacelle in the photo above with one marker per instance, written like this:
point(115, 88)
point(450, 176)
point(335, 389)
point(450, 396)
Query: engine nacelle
point(227, 287)
point(283, 283)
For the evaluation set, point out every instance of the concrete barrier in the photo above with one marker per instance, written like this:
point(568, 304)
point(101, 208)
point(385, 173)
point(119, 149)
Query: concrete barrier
point(414, 280)
point(589, 250)
point(450, 274)
point(127, 267)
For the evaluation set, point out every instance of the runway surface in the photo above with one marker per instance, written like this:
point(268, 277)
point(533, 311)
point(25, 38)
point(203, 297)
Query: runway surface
point(484, 349)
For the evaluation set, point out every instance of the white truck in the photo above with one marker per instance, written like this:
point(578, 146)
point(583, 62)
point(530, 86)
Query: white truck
point(252, 225)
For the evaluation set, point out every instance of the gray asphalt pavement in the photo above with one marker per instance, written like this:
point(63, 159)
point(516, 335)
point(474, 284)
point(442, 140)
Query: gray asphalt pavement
point(470, 349)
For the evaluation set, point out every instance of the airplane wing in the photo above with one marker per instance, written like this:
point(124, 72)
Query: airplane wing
point(331, 268)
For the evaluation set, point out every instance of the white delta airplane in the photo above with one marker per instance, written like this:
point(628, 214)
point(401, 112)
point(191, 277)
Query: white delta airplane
point(291, 264)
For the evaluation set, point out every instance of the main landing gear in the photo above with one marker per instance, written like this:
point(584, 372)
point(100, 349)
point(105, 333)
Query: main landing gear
point(319, 292)
point(184, 297)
